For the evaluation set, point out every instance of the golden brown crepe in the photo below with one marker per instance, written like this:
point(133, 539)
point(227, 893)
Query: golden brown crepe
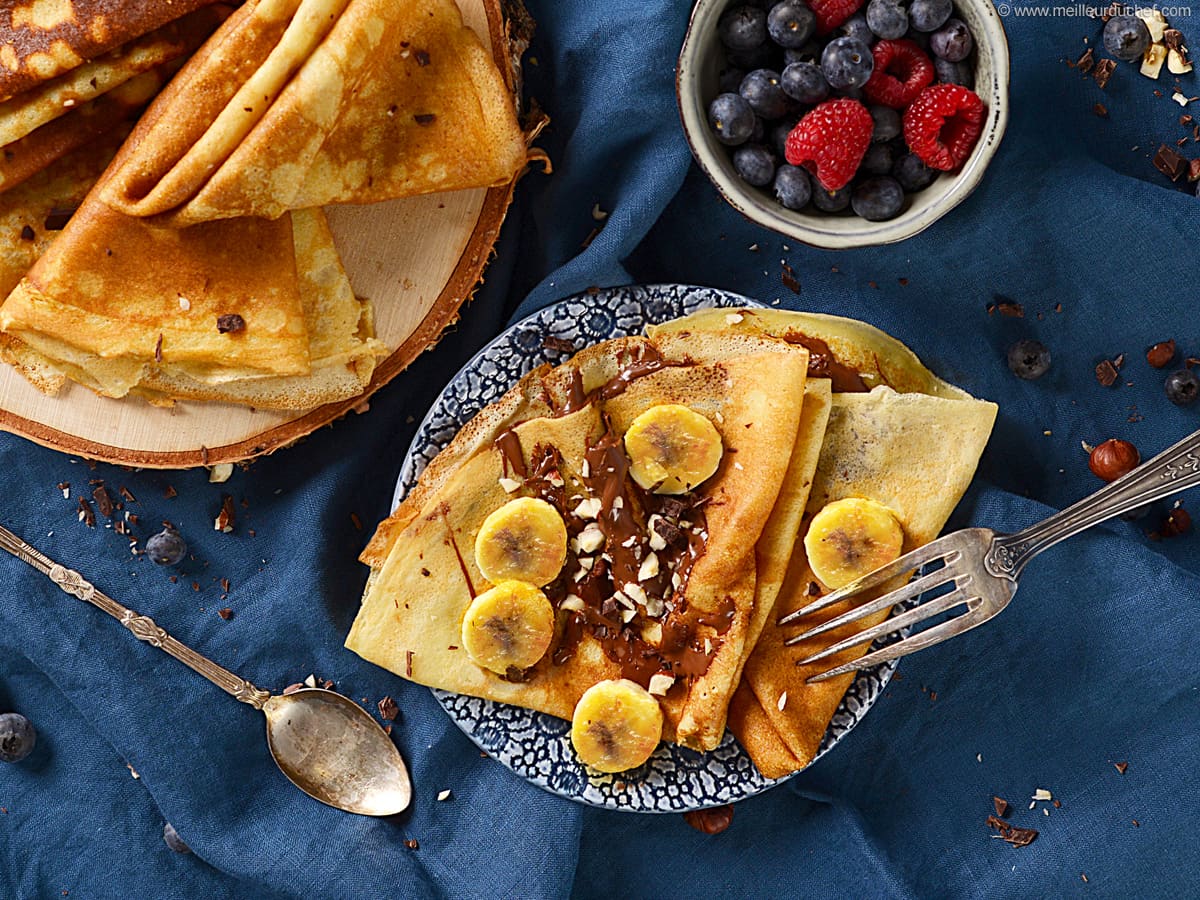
point(423, 579)
point(45, 38)
point(300, 103)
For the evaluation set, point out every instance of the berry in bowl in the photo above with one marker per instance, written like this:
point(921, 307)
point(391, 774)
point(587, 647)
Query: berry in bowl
point(844, 123)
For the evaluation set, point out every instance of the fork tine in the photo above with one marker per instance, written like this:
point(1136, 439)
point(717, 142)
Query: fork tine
point(895, 623)
point(913, 589)
point(911, 560)
point(927, 638)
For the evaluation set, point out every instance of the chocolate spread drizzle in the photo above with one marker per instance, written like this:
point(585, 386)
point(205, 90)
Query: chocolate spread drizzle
point(823, 364)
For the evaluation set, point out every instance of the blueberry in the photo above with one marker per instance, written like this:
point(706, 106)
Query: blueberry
point(1183, 387)
point(810, 52)
point(804, 82)
point(173, 840)
point(166, 548)
point(847, 63)
point(779, 136)
point(887, 18)
point(830, 201)
point(878, 160)
point(791, 23)
point(953, 72)
point(913, 174)
point(762, 91)
point(17, 737)
point(730, 80)
point(1126, 37)
point(759, 132)
point(887, 123)
point(929, 15)
point(764, 57)
point(731, 119)
point(743, 28)
point(877, 199)
point(793, 187)
point(754, 164)
point(953, 41)
point(1029, 359)
point(850, 93)
point(856, 27)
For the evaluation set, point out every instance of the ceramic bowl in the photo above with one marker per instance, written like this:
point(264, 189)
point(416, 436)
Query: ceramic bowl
point(696, 77)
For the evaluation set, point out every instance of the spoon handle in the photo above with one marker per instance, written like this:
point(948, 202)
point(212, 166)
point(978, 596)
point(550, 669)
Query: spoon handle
point(143, 627)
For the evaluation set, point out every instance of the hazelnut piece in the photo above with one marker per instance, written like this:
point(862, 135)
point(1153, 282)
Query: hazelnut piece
point(1160, 355)
point(1112, 459)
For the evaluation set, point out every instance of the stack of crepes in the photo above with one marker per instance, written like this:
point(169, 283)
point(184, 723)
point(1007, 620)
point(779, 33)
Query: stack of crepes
point(200, 265)
point(809, 410)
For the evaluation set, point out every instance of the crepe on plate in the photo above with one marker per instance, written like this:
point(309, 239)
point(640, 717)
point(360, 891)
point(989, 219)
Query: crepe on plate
point(301, 103)
point(424, 574)
point(912, 444)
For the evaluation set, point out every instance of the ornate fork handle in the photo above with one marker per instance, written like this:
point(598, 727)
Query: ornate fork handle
point(1175, 469)
point(142, 627)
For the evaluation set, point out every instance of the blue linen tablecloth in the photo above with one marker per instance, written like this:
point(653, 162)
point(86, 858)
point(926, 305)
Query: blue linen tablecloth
point(1093, 664)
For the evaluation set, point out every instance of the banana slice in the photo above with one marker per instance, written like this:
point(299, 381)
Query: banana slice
point(849, 538)
point(616, 726)
point(509, 627)
point(672, 449)
point(524, 540)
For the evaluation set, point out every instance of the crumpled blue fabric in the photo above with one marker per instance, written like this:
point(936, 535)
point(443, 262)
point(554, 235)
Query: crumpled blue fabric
point(1092, 665)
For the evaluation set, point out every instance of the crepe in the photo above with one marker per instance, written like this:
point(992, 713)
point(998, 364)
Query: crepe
point(300, 103)
point(914, 452)
point(422, 582)
point(45, 38)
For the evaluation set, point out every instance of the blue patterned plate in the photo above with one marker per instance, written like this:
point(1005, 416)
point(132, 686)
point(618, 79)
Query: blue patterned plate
point(534, 745)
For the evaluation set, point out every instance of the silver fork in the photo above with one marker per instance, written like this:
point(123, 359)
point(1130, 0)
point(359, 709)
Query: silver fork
point(983, 566)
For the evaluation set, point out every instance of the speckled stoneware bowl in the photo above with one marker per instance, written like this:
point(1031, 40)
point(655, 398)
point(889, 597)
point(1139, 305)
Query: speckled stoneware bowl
point(696, 74)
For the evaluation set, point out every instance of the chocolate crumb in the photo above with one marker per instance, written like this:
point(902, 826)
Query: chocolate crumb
point(170, 492)
point(1106, 373)
point(1173, 38)
point(1058, 804)
point(227, 516)
point(230, 323)
point(1170, 162)
point(388, 710)
point(713, 820)
point(1008, 307)
point(356, 521)
point(1193, 172)
point(1103, 72)
point(1177, 522)
point(1018, 837)
point(1121, 767)
point(1087, 62)
point(126, 494)
point(225, 585)
point(424, 572)
point(668, 532)
point(292, 688)
point(789, 279)
point(412, 844)
point(408, 658)
point(1000, 805)
point(86, 515)
point(422, 57)
point(27, 233)
point(158, 349)
point(1101, 110)
point(58, 218)
point(424, 118)
point(225, 613)
point(103, 501)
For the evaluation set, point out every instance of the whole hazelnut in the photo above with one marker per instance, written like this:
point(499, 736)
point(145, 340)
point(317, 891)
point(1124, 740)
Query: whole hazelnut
point(713, 820)
point(1160, 355)
point(1112, 459)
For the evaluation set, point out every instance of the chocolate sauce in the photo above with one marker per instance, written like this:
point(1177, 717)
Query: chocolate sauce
point(509, 444)
point(722, 618)
point(576, 399)
point(645, 361)
point(823, 364)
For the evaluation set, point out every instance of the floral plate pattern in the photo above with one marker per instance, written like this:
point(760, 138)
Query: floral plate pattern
point(532, 744)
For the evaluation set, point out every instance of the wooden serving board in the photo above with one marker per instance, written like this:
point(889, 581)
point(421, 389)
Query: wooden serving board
point(417, 260)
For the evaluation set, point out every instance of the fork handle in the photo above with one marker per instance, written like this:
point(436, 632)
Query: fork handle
point(1175, 469)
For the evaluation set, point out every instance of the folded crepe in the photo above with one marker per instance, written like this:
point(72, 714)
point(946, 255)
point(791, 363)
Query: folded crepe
point(300, 103)
point(57, 116)
point(424, 574)
point(912, 443)
point(45, 38)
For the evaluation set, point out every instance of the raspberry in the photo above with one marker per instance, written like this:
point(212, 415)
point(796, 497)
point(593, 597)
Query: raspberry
point(832, 13)
point(830, 141)
point(901, 71)
point(942, 125)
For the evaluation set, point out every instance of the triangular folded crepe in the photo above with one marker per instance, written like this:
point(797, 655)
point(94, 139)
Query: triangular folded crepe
point(299, 103)
point(422, 582)
point(45, 38)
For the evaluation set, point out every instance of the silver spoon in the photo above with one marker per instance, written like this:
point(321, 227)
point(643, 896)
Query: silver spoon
point(326, 744)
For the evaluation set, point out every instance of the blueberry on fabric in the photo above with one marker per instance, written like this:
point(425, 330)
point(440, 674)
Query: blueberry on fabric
point(172, 839)
point(1029, 359)
point(877, 199)
point(793, 186)
point(887, 19)
point(743, 28)
point(762, 90)
point(754, 164)
point(731, 119)
point(804, 82)
point(952, 42)
point(847, 63)
point(830, 201)
point(929, 15)
point(17, 737)
point(888, 123)
point(1183, 387)
point(166, 548)
point(1126, 37)
point(912, 173)
point(878, 160)
point(791, 23)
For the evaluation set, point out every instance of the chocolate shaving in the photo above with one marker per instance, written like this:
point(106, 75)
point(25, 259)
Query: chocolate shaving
point(227, 516)
point(412, 844)
point(408, 658)
point(790, 281)
point(1000, 805)
point(1173, 38)
point(126, 494)
point(158, 349)
point(1101, 110)
point(422, 57)
point(1087, 62)
point(1170, 162)
point(356, 522)
point(86, 515)
point(58, 218)
point(668, 532)
point(27, 233)
point(1193, 172)
point(1011, 309)
point(424, 118)
point(557, 344)
point(1106, 373)
point(1103, 72)
point(170, 493)
point(388, 710)
point(103, 501)
point(225, 584)
point(230, 323)
point(225, 613)
point(1018, 837)
point(1121, 767)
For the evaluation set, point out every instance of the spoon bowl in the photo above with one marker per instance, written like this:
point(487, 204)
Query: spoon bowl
point(333, 750)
